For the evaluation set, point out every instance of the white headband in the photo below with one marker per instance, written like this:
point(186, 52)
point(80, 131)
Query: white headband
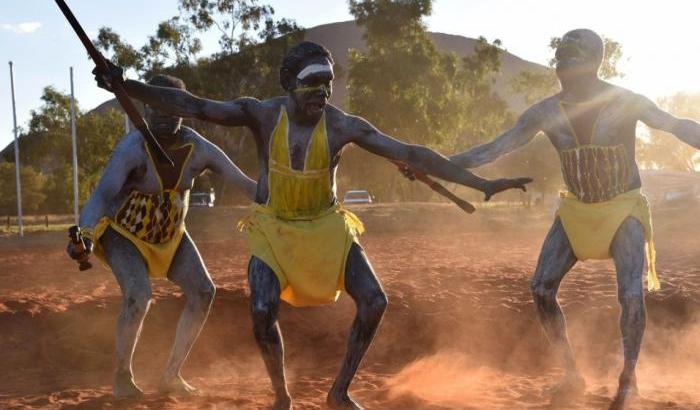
point(314, 69)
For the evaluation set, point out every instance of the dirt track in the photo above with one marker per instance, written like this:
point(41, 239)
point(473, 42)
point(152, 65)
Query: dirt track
point(460, 332)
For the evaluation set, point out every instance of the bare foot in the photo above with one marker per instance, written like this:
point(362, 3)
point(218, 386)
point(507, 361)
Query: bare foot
point(337, 401)
point(177, 386)
point(627, 392)
point(572, 387)
point(125, 387)
point(282, 403)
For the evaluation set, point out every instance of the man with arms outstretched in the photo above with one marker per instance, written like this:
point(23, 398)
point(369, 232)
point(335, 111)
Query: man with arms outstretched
point(135, 222)
point(304, 245)
point(603, 215)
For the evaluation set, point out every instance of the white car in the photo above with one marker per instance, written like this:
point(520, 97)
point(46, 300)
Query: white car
point(357, 197)
point(202, 199)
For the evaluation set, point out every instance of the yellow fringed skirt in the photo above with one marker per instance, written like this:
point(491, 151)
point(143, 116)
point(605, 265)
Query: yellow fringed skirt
point(157, 256)
point(591, 227)
point(307, 255)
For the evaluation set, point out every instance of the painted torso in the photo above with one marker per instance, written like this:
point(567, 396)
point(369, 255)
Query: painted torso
point(145, 179)
point(596, 143)
point(338, 132)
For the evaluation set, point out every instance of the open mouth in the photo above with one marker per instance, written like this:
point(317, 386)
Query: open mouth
point(315, 106)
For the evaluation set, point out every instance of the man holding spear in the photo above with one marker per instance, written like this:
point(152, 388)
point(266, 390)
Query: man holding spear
point(135, 222)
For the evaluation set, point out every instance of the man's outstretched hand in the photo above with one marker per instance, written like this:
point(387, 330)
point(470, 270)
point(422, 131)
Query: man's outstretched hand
point(494, 187)
point(105, 80)
point(503, 184)
point(407, 172)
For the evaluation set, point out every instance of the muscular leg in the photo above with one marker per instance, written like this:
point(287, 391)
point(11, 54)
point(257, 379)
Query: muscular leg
point(556, 259)
point(364, 288)
point(188, 272)
point(132, 275)
point(264, 305)
point(627, 249)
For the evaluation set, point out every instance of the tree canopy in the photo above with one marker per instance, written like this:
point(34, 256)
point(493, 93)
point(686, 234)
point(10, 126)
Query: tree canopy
point(411, 90)
point(46, 154)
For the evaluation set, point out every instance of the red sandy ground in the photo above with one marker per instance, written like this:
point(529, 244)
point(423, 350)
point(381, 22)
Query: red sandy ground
point(460, 331)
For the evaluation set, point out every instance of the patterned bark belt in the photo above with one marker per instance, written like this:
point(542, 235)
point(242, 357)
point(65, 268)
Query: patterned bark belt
point(153, 218)
point(596, 173)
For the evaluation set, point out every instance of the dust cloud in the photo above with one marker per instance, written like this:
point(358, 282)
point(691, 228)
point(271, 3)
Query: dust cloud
point(460, 331)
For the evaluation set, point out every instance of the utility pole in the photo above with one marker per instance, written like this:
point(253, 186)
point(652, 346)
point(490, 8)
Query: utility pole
point(75, 148)
point(17, 164)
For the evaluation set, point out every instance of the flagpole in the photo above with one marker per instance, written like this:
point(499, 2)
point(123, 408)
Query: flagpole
point(75, 149)
point(17, 164)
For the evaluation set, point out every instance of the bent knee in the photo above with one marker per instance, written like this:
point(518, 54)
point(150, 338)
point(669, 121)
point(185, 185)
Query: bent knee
point(137, 303)
point(264, 317)
point(376, 305)
point(262, 313)
point(542, 292)
point(206, 292)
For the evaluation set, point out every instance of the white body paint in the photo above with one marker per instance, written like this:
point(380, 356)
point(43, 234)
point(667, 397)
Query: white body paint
point(314, 69)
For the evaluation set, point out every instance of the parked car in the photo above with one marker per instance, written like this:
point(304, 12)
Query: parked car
point(357, 197)
point(202, 199)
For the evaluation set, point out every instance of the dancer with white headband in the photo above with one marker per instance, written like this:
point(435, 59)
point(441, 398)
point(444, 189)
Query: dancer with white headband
point(305, 247)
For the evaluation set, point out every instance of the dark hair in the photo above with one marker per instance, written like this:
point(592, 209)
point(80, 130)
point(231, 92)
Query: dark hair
point(294, 60)
point(163, 80)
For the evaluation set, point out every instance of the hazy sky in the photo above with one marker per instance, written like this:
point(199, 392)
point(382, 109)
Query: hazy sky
point(658, 37)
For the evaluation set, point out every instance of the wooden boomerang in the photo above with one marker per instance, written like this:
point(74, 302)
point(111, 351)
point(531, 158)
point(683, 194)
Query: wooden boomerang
point(117, 87)
point(437, 187)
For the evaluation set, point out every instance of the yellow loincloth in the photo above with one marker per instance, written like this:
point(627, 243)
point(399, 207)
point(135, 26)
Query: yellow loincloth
point(591, 227)
point(153, 222)
point(307, 255)
point(158, 256)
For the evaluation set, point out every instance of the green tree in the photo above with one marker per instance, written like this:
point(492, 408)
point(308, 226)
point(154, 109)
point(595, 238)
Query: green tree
point(402, 83)
point(46, 148)
point(237, 21)
point(240, 24)
point(32, 189)
point(121, 52)
point(58, 190)
point(534, 86)
point(174, 42)
point(97, 134)
point(45, 140)
point(406, 87)
point(485, 112)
